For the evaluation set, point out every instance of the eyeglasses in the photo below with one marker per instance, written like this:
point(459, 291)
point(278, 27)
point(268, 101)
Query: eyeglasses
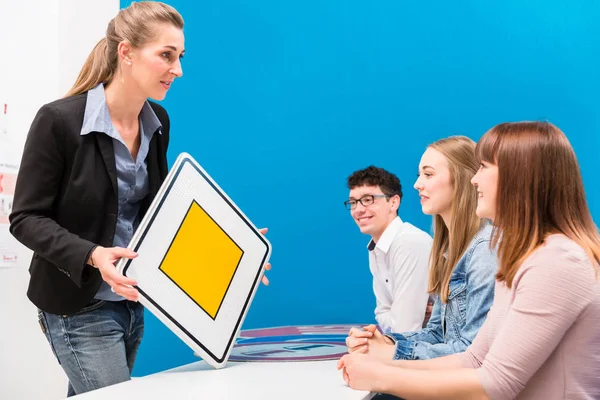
point(365, 201)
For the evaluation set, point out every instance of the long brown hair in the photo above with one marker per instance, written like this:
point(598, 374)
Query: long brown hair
point(135, 24)
point(450, 243)
point(540, 192)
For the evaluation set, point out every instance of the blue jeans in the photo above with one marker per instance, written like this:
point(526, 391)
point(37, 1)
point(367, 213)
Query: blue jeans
point(96, 346)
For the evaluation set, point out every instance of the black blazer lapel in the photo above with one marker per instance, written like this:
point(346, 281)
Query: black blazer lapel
point(154, 176)
point(107, 150)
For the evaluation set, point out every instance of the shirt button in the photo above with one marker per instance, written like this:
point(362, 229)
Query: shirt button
point(129, 228)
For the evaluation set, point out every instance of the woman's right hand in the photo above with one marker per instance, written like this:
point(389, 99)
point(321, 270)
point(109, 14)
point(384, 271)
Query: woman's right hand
point(358, 340)
point(104, 258)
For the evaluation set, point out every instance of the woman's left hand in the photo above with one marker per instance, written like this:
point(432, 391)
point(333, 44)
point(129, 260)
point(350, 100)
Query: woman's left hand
point(361, 371)
point(265, 280)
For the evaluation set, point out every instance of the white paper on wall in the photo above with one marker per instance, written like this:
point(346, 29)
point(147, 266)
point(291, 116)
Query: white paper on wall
point(9, 156)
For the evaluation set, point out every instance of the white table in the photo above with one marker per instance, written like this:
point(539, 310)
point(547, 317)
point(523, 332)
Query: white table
point(248, 381)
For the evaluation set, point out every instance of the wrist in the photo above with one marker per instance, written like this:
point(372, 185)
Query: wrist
point(386, 379)
point(91, 260)
point(390, 351)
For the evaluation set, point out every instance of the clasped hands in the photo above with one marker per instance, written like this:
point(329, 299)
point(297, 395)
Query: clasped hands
point(369, 350)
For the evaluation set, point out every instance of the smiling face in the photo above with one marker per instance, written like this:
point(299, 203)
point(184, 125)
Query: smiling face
point(434, 184)
point(486, 183)
point(154, 66)
point(374, 218)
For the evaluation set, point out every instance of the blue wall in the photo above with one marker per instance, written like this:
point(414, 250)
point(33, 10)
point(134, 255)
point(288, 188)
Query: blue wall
point(282, 100)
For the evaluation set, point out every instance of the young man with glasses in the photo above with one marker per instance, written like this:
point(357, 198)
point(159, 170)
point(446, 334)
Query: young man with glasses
point(398, 251)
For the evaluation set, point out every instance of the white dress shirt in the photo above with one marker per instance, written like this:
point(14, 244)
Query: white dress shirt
point(399, 264)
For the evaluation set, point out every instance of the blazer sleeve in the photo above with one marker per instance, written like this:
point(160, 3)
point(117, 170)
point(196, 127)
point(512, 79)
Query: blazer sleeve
point(38, 184)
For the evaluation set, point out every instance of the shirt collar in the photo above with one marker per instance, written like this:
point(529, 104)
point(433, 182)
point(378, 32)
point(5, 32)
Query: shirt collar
point(385, 241)
point(97, 117)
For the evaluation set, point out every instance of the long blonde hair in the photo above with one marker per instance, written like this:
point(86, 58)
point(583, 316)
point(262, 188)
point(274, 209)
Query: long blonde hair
point(135, 24)
point(450, 242)
point(540, 192)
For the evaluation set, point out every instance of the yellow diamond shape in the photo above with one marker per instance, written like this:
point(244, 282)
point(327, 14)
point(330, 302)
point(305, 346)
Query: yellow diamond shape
point(202, 260)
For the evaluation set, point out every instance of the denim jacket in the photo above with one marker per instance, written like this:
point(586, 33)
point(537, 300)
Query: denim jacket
point(453, 326)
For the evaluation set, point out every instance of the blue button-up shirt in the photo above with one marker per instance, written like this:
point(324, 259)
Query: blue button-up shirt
point(132, 176)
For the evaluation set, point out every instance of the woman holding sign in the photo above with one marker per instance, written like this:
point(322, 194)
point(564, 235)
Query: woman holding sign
point(92, 164)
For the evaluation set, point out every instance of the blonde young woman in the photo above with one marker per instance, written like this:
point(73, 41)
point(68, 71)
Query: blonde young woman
point(462, 264)
point(92, 164)
point(541, 338)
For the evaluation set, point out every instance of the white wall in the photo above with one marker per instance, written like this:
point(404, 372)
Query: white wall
point(44, 44)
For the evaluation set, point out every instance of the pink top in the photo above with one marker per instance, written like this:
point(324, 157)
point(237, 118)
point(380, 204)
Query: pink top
point(541, 339)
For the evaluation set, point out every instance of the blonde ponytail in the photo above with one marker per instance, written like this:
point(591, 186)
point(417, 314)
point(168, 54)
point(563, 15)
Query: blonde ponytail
point(97, 69)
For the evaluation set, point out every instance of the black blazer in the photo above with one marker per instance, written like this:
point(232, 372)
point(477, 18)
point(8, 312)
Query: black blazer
point(65, 201)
